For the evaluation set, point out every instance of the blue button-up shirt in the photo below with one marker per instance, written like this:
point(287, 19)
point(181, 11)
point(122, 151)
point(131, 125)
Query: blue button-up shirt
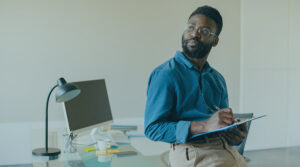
point(178, 93)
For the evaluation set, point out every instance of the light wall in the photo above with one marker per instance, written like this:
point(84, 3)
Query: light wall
point(121, 41)
point(270, 71)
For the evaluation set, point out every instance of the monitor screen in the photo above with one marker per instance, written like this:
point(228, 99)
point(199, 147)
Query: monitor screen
point(91, 107)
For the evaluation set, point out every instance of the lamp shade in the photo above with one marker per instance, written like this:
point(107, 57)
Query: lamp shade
point(65, 91)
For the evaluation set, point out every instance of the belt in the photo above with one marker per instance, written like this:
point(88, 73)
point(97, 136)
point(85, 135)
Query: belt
point(208, 138)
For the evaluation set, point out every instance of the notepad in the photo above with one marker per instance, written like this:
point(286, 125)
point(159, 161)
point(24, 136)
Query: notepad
point(123, 127)
point(228, 127)
point(109, 152)
point(87, 149)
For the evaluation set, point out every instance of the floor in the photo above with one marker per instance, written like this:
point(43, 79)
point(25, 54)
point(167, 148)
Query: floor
point(279, 157)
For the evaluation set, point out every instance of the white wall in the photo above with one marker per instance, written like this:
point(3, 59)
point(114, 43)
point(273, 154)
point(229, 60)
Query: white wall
point(270, 71)
point(294, 74)
point(121, 41)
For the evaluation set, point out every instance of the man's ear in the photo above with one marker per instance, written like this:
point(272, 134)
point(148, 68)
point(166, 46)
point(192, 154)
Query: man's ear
point(216, 41)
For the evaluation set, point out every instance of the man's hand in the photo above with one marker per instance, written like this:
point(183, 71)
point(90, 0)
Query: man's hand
point(236, 134)
point(220, 119)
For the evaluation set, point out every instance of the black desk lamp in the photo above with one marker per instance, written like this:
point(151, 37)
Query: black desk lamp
point(65, 92)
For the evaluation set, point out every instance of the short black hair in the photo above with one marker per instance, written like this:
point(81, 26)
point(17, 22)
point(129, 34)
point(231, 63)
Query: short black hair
point(212, 13)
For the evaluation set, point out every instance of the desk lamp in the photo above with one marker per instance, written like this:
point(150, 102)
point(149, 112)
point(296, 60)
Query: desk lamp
point(65, 92)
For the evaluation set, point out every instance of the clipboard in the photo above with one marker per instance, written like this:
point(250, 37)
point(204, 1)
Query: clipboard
point(229, 126)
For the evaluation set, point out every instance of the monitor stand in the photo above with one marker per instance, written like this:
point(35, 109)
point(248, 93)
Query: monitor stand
point(90, 138)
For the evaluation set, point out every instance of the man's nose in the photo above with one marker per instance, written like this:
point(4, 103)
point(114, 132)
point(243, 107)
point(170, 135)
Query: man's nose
point(196, 33)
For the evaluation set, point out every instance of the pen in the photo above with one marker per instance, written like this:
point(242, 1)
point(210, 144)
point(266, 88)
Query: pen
point(216, 107)
point(71, 136)
point(69, 140)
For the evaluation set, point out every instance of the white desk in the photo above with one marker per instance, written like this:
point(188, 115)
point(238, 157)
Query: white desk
point(82, 158)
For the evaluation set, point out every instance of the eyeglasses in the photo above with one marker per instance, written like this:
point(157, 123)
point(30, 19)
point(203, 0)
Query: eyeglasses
point(203, 31)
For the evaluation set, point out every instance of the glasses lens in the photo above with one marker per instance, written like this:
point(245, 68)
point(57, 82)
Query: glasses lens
point(190, 28)
point(204, 31)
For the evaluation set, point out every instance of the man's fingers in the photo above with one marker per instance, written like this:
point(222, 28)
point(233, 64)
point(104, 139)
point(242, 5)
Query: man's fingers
point(227, 121)
point(227, 118)
point(226, 115)
point(232, 137)
point(222, 124)
point(238, 132)
point(225, 112)
point(228, 110)
point(243, 127)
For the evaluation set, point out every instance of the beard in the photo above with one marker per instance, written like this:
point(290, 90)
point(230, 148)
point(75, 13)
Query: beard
point(199, 51)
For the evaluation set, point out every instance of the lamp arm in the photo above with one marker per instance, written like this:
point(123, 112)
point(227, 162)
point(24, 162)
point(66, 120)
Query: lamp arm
point(47, 103)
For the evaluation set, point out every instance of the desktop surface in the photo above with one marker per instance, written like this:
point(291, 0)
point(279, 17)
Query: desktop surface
point(116, 137)
point(82, 158)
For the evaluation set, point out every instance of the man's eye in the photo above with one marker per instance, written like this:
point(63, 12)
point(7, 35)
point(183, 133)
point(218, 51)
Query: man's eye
point(191, 27)
point(205, 31)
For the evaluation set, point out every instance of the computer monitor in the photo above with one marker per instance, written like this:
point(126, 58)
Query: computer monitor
point(90, 109)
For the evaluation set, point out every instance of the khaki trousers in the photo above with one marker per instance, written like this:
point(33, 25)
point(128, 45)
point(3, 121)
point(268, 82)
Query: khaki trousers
point(215, 153)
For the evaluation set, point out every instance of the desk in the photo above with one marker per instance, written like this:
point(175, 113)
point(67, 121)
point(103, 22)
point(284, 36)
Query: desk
point(89, 159)
point(82, 158)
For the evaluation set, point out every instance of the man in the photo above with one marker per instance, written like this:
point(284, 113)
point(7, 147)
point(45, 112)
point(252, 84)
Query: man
point(184, 98)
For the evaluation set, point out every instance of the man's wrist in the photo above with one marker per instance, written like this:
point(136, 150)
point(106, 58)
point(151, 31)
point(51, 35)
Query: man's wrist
point(197, 127)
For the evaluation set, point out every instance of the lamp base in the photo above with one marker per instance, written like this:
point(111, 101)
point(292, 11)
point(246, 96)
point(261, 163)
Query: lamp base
point(43, 152)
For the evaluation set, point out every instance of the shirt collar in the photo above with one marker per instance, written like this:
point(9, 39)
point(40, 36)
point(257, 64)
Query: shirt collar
point(185, 61)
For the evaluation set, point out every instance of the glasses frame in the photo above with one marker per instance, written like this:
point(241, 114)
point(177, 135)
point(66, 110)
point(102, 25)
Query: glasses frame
point(199, 30)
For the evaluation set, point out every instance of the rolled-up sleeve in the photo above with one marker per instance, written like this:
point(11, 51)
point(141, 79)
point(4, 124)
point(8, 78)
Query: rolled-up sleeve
point(160, 105)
